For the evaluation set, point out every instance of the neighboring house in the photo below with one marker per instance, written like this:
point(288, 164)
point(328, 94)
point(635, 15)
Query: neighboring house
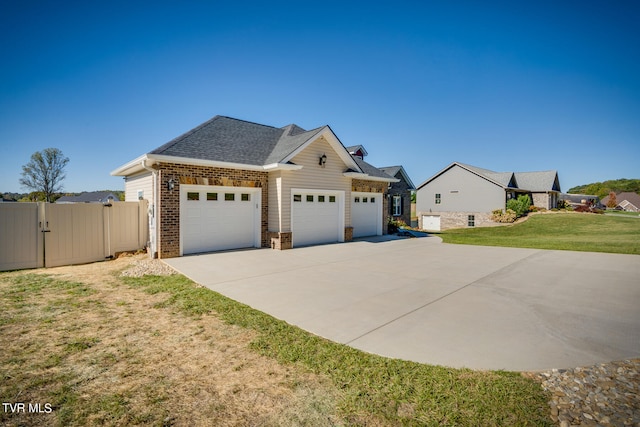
point(627, 201)
point(462, 195)
point(90, 197)
point(400, 193)
point(581, 200)
point(230, 184)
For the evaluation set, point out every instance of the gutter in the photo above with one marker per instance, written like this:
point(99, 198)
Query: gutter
point(152, 209)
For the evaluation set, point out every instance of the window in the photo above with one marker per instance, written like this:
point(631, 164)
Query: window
point(397, 205)
point(471, 220)
point(193, 196)
point(357, 200)
point(438, 198)
point(365, 200)
point(297, 198)
point(212, 196)
point(373, 200)
point(229, 197)
point(140, 194)
point(309, 198)
point(321, 199)
point(332, 199)
point(245, 197)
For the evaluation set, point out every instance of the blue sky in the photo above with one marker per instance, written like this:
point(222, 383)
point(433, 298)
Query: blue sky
point(508, 86)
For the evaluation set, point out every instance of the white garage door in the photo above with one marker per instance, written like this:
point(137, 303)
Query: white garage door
point(317, 216)
point(219, 218)
point(366, 214)
point(431, 222)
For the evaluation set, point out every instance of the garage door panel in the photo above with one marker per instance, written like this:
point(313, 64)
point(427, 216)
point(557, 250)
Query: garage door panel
point(366, 214)
point(431, 222)
point(211, 223)
point(314, 221)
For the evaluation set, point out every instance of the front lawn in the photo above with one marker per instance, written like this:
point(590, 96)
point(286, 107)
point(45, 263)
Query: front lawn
point(562, 231)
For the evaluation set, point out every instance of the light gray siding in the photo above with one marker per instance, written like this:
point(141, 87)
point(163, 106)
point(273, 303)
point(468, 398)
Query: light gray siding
point(460, 191)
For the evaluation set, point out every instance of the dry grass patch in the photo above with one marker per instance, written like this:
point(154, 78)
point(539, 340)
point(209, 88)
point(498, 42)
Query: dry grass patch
point(102, 353)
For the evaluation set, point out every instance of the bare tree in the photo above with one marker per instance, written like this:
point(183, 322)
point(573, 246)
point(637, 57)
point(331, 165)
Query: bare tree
point(45, 172)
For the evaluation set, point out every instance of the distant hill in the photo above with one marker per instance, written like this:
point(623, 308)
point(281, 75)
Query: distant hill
point(602, 189)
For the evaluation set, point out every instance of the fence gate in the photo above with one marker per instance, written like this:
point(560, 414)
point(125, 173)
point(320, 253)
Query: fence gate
point(36, 235)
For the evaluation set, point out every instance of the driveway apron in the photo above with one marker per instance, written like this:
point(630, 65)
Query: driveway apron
point(453, 305)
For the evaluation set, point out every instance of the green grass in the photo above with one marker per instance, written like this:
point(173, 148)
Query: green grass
point(392, 391)
point(574, 232)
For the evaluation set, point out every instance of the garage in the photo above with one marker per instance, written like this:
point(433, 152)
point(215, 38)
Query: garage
point(218, 218)
point(317, 216)
point(431, 222)
point(366, 214)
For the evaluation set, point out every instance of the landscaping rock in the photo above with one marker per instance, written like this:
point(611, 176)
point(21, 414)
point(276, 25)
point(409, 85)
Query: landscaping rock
point(606, 394)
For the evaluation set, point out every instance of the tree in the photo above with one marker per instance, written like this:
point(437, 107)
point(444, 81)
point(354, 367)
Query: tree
point(45, 172)
point(612, 202)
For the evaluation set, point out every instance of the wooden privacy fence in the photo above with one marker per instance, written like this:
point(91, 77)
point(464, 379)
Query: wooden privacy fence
point(36, 235)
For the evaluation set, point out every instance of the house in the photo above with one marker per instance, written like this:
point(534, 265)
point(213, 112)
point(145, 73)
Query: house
point(462, 195)
point(230, 183)
point(399, 193)
point(90, 197)
point(576, 200)
point(627, 201)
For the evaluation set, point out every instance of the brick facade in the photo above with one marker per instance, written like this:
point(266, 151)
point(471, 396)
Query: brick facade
point(169, 206)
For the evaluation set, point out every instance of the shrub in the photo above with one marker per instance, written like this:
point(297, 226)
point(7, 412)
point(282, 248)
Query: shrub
point(504, 217)
point(520, 205)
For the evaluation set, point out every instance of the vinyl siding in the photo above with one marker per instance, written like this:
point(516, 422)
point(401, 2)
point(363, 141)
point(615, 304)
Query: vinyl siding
point(461, 191)
point(133, 184)
point(311, 176)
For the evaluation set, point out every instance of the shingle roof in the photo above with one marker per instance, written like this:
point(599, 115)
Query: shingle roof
point(529, 181)
point(538, 181)
point(370, 169)
point(225, 139)
point(88, 197)
point(393, 171)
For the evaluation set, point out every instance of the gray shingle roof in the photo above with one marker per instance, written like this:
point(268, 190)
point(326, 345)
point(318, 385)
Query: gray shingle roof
point(538, 181)
point(529, 181)
point(88, 197)
point(393, 171)
point(370, 169)
point(225, 139)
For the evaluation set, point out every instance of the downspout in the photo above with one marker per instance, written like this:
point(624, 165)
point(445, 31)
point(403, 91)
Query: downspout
point(154, 184)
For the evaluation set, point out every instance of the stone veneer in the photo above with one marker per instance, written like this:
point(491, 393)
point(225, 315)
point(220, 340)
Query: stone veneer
point(169, 206)
point(281, 240)
point(450, 220)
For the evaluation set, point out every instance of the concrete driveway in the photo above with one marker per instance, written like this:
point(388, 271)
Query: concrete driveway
point(454, 305)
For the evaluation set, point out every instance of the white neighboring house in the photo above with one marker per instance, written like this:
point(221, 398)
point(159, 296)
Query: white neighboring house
point(462, 195)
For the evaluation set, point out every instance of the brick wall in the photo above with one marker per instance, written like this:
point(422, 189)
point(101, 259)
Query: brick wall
point(169, 206)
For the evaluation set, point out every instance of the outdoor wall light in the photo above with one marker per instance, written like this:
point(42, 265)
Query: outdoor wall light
point(171, 184)
point(323, 160)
